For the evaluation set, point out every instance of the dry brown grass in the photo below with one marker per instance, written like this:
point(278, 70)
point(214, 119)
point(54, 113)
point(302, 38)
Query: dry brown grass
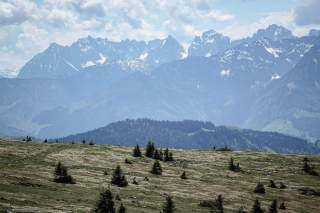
point(26, 179)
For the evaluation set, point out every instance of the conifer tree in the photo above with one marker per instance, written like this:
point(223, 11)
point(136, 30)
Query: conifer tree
point(134, 181)
point(168, 206)
point(156, 155)
point(273, 207)
point(161, 154)
point(282, 206)
point(61, 174)
point(150, 149)
point(257, 207)
point(105, 203)
point(136, 151)
point(118, 197)
point(259, 189)
point(122, 209)
point(168, 156)
point(272, 184)
point(309, 169)
point(219, 204)
point(156, 168)
point(127, 161)
point(118, 178)
point(306, 168)
point(241, 210)
point(232, 167)
point(183, 175)
point(282, 186)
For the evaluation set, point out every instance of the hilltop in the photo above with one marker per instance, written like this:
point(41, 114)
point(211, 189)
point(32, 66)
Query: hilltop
point(195, 135)
point(26, 179)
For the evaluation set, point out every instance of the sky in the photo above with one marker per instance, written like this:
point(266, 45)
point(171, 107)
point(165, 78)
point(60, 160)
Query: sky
point(27, 27)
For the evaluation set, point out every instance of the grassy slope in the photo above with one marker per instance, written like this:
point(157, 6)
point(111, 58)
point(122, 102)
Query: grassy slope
point(26, 179)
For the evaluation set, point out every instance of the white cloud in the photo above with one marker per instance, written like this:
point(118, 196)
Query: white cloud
point(189, 11)
point(15, 11)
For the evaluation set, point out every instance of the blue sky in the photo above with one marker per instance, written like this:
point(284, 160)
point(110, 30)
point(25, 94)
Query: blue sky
point(29, 26)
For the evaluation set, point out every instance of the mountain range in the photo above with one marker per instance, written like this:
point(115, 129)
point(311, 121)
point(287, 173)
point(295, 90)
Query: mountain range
point(269, 81)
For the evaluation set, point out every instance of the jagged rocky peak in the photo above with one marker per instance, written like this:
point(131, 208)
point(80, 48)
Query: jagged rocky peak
point(54, 45)
point(54, 48)
point(63, 61)
point(273, 32)
point(208, 44)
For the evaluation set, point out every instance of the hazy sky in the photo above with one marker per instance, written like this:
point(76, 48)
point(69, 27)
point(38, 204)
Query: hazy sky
point(27, 27)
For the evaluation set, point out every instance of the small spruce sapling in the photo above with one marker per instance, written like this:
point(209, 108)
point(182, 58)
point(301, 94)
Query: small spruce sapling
point(118, 178)
point(136, 151)
point(168, 206)
point(156, 168)
point(273, 207)
point(105, 203)
point(259, 189)
point(183, 175)
point(256, 208)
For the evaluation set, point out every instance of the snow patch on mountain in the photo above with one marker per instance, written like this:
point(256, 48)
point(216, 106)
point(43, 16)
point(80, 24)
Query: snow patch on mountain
point(102, 59)
point(143, 56)
point(273, 51)
point(275, 76)
point(225, 73)
point(88, 64)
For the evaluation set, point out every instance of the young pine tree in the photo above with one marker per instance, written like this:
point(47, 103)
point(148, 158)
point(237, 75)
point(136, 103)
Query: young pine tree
point(282, 185)
point(273, 207)
point(118, 178)
point(219, 204)
point(309, 169)
point(156, 155)
point(168, 206)
point(122, 209)
point(183, 175)
point(156, 168)
point(150, 149)
point(168, 156)
point(136, 151)
point(241, 210)
point(257, 207)
point(259, 189)
point(61, 174)
point(306, 168)
point(127, 161)
point(272, 184)
point(282, 206)
point(161, 154)
point(105, 203)
point(232, 167)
